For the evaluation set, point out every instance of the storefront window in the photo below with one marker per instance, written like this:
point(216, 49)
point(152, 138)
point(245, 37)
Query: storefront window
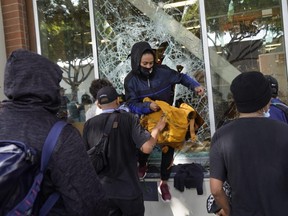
point(243, 36)
point(173, 30)
point(65, 38)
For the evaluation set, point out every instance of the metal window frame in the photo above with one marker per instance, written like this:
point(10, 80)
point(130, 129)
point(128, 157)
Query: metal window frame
point(284, 7)
point(207, 66)
point(93, 38)
point(37, 30)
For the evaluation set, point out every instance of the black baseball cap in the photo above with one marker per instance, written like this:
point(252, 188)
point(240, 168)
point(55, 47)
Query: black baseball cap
point(107, 95)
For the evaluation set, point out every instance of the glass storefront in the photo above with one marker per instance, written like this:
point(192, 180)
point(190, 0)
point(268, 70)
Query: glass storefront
point(65, 38)
point(241, 36)
point(173, 32)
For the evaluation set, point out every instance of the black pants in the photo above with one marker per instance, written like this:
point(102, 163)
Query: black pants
point(121, 207)
point(166, 160)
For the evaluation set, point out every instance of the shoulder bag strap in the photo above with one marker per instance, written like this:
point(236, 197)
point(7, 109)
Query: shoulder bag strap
point(109, 123)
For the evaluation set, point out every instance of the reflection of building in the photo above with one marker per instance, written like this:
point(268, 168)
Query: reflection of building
point(243, 54)
point(274, 64)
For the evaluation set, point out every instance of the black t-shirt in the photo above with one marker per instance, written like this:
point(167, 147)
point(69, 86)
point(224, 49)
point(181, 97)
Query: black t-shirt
point(251, 153)
point(120, 179)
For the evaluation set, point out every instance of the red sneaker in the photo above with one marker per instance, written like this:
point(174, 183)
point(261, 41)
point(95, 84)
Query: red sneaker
point(142, 171)
point(163, 190)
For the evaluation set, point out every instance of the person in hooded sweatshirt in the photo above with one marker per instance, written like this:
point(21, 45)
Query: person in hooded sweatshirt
point(148, 79)
point(32, 88)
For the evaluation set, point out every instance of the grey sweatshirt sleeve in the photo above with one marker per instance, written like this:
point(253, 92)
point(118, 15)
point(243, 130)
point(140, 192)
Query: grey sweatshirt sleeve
point(75, 178)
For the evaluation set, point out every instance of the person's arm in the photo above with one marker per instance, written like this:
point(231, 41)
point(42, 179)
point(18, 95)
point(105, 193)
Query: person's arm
point(216, 187)
point(144, 140)
point(187, 81)
point(148, 146)
point(74, 176)
point(218, 174)
point(135, 104)
point(192, 84)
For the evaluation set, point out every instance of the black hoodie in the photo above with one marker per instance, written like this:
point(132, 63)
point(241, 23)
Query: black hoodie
point(136, 54)
point(33, 97)
point(158, 85)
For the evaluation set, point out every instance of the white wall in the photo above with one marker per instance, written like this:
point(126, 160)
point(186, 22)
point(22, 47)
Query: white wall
point(2, 55)
point(83, 88)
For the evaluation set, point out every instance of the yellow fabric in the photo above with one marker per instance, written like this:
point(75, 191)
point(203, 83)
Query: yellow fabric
point(79, 126)
point(177, 122)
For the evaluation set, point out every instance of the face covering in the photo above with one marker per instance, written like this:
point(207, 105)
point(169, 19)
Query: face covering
point(146, 71)
point(266, 114)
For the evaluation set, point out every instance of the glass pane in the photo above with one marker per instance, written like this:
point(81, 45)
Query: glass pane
point(66, 39)
point(173, 32)
point(243, 36)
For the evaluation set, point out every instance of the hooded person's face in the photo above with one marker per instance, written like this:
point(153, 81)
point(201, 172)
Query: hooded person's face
point(147, 63)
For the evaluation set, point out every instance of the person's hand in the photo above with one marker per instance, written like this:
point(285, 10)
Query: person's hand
point(200, 90)
point(161, 123)
point(154, 106)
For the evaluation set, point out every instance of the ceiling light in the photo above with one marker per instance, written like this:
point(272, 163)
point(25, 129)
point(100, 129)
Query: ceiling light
point(193, 27)
point(179, 4)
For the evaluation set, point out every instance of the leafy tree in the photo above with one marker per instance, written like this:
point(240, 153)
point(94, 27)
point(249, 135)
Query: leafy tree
point(65, 37)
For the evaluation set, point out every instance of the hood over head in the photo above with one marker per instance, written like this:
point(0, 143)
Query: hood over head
point(32, 80)
point(136, 53)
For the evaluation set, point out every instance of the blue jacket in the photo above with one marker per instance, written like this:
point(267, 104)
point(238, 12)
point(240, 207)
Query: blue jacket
point(158, 85)
point(275, 112)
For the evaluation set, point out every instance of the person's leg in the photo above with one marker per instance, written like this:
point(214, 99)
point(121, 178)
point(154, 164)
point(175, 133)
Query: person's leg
point(133, 207)
point(114, 209)
point(167, 159)
point(142, 160)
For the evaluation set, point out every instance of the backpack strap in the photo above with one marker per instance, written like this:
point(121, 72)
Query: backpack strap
point(27, 203)
point(50, 143)
point(47, 151)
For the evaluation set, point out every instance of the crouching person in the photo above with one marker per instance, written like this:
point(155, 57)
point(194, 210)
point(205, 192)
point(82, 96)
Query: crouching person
point(120, 177)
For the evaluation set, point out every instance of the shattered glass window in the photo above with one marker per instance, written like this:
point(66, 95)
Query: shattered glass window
point(174, 34)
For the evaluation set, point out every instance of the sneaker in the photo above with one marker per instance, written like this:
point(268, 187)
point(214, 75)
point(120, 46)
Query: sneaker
point(142, 171)
point(163, 190)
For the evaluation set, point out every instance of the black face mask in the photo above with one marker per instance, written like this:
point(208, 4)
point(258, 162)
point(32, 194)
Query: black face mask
point(146, 71)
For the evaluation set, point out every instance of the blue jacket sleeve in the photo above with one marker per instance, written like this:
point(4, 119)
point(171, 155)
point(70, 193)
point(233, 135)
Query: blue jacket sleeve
point(189, 82)
point(180, 78)
point(135, 104)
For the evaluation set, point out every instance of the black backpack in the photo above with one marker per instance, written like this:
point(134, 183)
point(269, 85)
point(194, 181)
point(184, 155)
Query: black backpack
point(21, 176)
point(98, 154)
